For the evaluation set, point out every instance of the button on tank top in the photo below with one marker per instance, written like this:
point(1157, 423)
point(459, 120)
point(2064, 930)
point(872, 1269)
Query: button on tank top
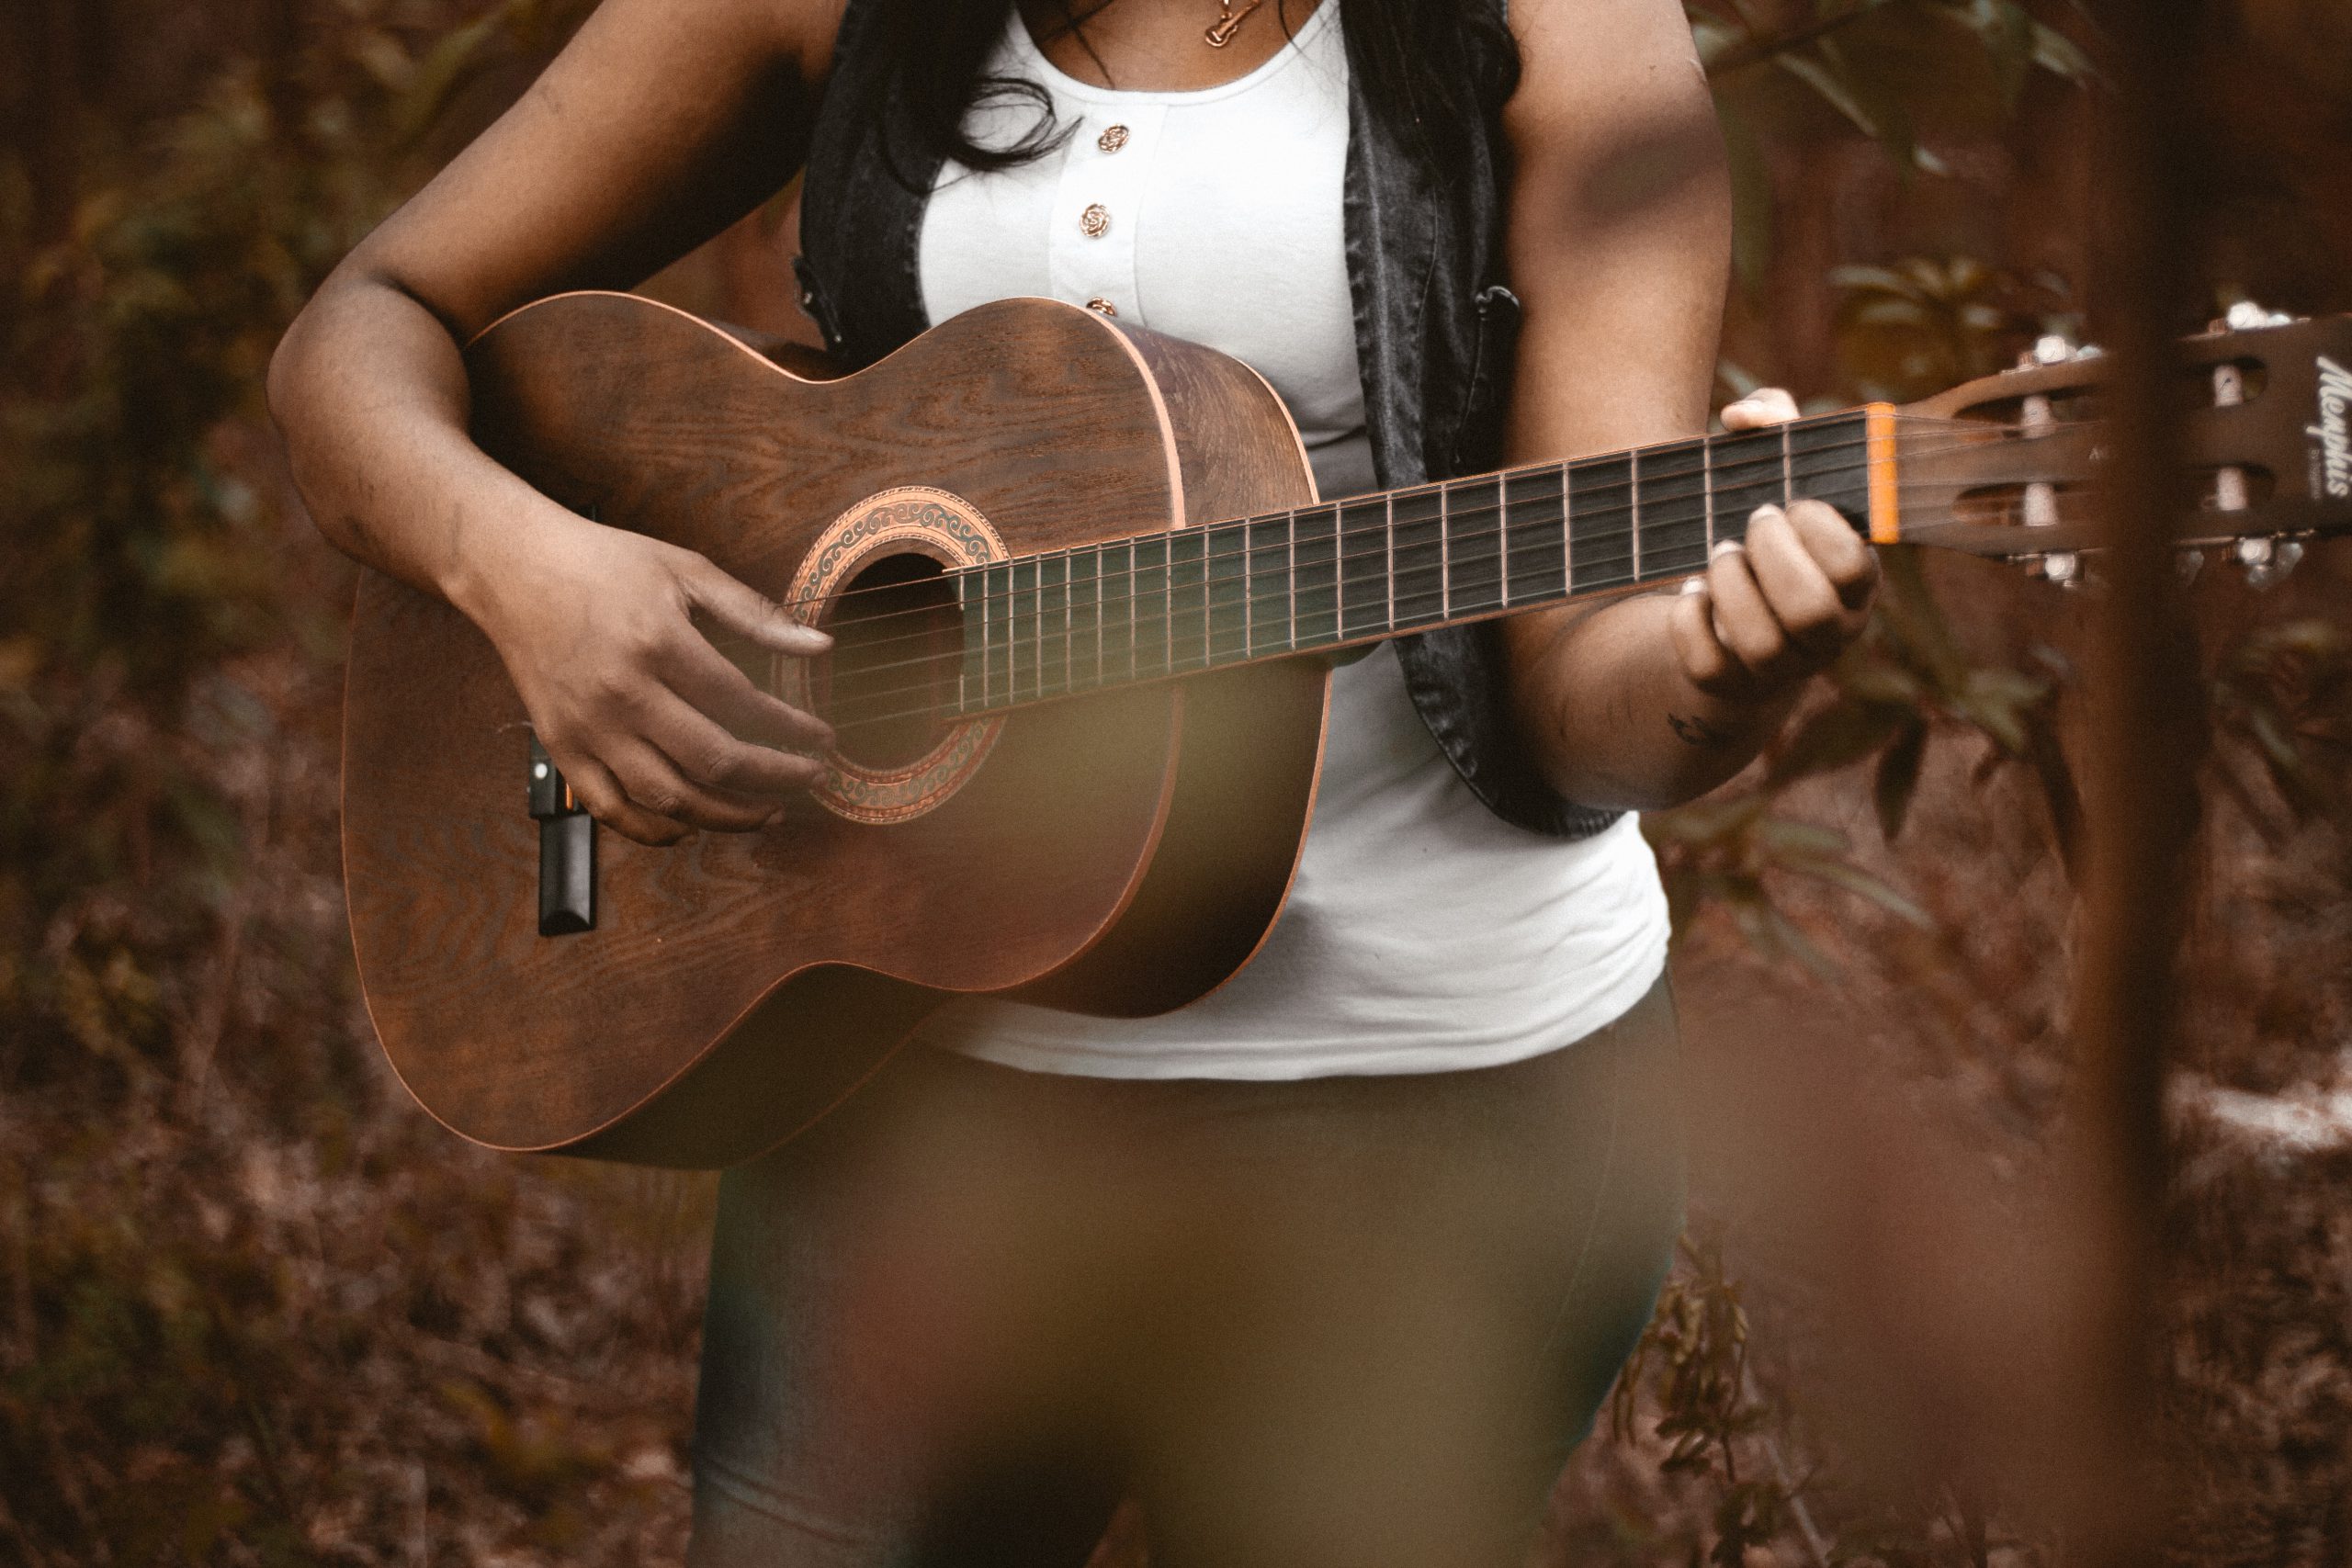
point(1422, 932)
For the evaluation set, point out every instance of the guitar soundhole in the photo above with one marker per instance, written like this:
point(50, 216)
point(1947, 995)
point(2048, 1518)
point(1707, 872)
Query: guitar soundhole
point(890, 687)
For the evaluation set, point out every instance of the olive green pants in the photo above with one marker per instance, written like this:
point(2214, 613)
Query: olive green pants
point(1353, 1322)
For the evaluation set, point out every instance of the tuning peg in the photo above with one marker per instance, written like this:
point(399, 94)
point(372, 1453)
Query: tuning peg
point(2051, 348)
point(2063, 568)
point(2267, 562)
point(2188, 563)
point(2246, 316)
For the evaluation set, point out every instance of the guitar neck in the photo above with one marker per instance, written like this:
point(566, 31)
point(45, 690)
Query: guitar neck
point(1351, 572)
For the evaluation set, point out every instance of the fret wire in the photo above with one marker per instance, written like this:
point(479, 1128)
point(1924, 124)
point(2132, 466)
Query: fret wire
point(1044, 614)
point(1788, 469)
point(1339, 569)
point(1268, 557)
point(1672, 482)
point(1444, 555)
point(1707, 492)
point(963, 665)
point(1009, 623)
point(1248, 607)
point(1203, 536)
point(1000, 624)
point(1070, 677)
point(1567, 531)
point(1388, 510)
point(1322, 572)
point(1502, 535)
point(1037, 626)
point(1633, 495)
point(1290, 579)
point(1156, 596)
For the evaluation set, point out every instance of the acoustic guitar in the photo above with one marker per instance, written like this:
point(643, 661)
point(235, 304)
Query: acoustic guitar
point(1083, 595)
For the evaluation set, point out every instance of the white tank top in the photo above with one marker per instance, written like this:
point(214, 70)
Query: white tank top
point(1423, 933)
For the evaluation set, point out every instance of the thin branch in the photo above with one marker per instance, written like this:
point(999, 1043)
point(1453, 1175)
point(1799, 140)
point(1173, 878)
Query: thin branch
point(1815, 1544)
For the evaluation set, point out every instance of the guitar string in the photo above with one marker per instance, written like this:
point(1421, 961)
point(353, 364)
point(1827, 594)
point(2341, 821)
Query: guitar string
point(1192, 619)
point(1381, 529)
point(1204, 651)
point(1388, 499)
point(1775, 459)
point(1029, 603)
point(1192, 622)
point(1582, 540)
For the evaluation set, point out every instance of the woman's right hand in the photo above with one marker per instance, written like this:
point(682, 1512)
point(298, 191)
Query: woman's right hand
point(657, 732)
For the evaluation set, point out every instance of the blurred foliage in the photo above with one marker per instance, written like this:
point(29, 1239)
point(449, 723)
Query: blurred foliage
point(1891, 69)
point(1922, 324)
point(1695, 1354)
point(1906, 679)
point(143, 517)
point(254, 1309)
point(2285, 694)
point(232, 1262)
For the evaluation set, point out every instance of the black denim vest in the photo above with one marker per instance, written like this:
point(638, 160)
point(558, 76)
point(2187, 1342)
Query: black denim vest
point(1435, 334)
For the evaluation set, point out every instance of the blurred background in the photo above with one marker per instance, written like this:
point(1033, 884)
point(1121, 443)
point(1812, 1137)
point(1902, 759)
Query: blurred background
point(255, 1309)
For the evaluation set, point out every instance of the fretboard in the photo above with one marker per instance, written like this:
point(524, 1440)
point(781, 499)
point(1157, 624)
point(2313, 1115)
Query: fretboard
point(1361, 571)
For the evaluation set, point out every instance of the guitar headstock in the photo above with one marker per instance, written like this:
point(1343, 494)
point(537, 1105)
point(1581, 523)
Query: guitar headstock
point(2266, 430)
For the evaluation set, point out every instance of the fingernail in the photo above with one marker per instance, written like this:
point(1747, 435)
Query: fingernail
point(1725, 548)
point(1693, 585)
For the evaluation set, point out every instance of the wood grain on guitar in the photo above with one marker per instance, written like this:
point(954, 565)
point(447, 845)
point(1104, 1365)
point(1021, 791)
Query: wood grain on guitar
point(1137, 631)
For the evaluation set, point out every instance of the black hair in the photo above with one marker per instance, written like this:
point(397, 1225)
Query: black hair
point(1429, 68)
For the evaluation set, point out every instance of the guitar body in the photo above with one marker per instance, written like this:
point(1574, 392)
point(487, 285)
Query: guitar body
point(1118, 853)
point(1079, 780)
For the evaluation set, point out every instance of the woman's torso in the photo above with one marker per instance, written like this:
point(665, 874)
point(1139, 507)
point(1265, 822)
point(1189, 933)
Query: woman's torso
point(1422, 932)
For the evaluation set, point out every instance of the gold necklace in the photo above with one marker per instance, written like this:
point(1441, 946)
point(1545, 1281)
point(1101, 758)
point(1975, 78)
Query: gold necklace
point(1220, 32)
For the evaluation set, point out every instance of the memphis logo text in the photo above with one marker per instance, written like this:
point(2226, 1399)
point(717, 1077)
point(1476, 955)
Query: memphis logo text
point(2335, 440)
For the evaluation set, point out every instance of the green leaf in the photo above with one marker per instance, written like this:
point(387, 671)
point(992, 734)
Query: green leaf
point(1824, 81)
point(2007, 32)
point(1713, 36)
point(1842, 733)
point(443, 70)
point(1898, 779)
point(1858, 276)
point(1911, 314)
point(1855, 880)
point(2061, 56)
point(1790, 840)
point(1752, 202)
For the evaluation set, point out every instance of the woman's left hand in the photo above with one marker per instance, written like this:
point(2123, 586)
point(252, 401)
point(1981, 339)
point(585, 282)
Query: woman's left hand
point(1772, 611)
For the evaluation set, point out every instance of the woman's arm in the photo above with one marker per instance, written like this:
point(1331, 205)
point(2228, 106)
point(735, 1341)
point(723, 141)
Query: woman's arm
point(661, 122)
point(1620, 241)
